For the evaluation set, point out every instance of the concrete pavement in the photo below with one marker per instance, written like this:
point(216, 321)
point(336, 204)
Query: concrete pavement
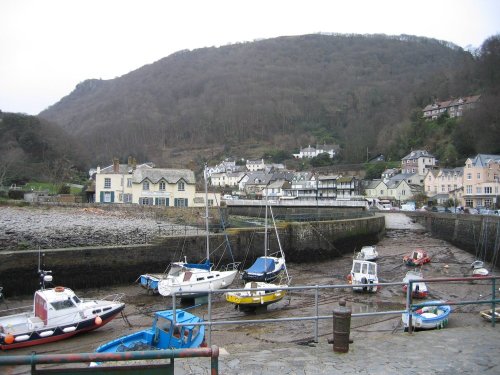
point(464, 350)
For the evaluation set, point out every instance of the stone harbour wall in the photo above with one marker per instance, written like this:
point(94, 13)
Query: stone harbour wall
point(477, 234)
point(101, 266)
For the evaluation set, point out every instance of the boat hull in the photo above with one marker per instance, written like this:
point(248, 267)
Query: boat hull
point(253, 299)
point(161, 335)
point(42, 336)
point(428, 317)
point(192, 289)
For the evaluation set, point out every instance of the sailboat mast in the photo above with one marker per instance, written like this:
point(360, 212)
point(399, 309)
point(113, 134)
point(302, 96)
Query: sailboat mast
point(265, 232)
point(206, 212)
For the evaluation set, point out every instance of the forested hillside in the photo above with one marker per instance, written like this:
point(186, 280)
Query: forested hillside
point(32, 149)
point(362, 92)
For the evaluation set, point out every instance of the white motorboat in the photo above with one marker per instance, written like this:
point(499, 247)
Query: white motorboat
point(367, 253)
point(57, 314)
point(363, 274)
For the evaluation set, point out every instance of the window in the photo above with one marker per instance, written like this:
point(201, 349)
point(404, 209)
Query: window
point(210, 203)
point(129, 182)
point(121, 181)
point(478, 176)
point(469, 176)
point(162, 185)
point(488, 202)
point(108, 197)
point(145, 185)
point(468, 202)
point(468, 189)
point(488, 190)
point(180, 202)
point(107, 183)
point(61, 305)
point(146, 201)
point(180, 186)
point(127, 198)
point(478, 189)
point(162, 201)
point(442, 188)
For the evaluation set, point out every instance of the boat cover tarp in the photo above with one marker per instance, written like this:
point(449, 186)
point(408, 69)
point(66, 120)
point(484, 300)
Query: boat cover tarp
point(262, 265)
point(202, 266)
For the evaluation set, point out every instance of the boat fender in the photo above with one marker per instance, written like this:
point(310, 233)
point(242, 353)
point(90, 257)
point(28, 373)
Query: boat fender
point(59, 289)
point(22, 338)
point(9, 339)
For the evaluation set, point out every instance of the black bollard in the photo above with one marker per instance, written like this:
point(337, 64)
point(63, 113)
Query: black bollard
point(341, 327)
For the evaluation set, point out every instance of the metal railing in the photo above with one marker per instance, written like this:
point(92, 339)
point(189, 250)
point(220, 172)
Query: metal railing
point(317, 288)
point(59, 359)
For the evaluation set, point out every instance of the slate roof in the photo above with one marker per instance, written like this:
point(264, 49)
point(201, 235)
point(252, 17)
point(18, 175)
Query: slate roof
point(418, 154)
point(481, 160)
point(171, 176)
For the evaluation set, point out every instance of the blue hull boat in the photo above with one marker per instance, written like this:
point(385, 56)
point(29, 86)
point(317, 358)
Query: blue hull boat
point(162, 334)
point(428, 316)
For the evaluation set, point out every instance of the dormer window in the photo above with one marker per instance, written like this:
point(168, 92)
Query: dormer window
point(180, 186)
point(162, 185)
point(145, 185)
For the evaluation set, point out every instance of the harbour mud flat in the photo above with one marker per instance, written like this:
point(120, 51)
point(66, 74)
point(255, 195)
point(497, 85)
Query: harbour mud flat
point(251, 346)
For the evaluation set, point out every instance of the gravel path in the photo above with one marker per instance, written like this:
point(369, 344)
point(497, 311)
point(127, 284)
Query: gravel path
point(58, 227)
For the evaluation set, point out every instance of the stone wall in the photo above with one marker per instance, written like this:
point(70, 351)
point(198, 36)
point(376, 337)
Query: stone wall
point(94, 267)
point(477, 234)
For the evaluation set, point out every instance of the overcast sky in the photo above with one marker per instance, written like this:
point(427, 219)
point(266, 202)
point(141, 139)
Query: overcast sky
point(48, 46)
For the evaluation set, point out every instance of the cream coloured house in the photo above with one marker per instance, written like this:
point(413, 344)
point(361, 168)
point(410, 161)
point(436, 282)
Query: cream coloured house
point(145, 185)
point(376, 189)
point(113, 184)
point(481, 181)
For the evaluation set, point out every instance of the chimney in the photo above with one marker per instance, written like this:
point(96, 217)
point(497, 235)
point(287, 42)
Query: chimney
point(116, 165)
point(134, 164)
point(129, 161)
point(98, 169)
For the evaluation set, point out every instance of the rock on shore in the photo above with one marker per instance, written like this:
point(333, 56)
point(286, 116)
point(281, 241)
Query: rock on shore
point(48, 227)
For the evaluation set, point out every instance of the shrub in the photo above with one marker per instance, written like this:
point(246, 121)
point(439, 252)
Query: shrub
point(16, 194)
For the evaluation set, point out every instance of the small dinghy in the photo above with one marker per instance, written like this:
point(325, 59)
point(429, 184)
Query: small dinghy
point(488, 314)
point(419, 289)
point(416, 258)
point(478, 269)
point(367, 253)
point(428, 316)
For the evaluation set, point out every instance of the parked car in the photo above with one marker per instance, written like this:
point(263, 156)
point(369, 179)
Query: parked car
point(440, 209)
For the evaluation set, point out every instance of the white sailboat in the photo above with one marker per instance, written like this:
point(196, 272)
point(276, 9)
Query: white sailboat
point(189, 282)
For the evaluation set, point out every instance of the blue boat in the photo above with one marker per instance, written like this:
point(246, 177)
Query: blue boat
point(267, 268)
point(428, 316)
point(264, 269)
point(162, 334)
